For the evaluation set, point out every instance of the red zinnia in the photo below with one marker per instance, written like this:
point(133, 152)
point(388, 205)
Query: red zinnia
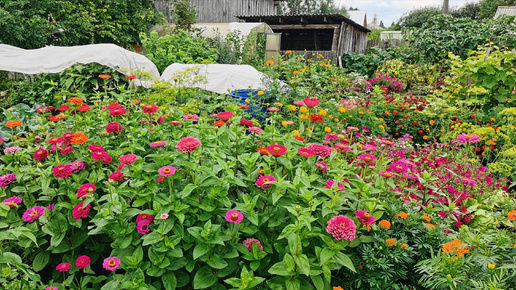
point(62, 171)
point(320, 150)
point(114, 127)
point(41, 154)
point(63, 108)
point(117, 112)
point(85, 189)
point(276, 150)
point(316, 118)
point(150, 109)
point(83, 262)
point(144, 216)
point(83, 108)
point(247, 123)
point(262, 150)
point(81, 212)
point(116, 176)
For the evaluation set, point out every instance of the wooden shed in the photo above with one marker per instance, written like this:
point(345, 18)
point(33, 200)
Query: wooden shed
point(330, 35)
point(223, 11)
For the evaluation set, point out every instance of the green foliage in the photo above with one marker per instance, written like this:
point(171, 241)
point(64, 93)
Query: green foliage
point(374, 35)
point(367, 63)
point(418, 17)
point(488, 7)
point(411, 75)
point(26, 25)
point(294, 7)
point(180, 47)
point(444, 34)
point(487, 76)
point(184, 15)
point(470, 9)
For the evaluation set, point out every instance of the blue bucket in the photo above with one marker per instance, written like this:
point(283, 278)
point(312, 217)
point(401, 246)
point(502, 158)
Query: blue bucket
point(258, 104)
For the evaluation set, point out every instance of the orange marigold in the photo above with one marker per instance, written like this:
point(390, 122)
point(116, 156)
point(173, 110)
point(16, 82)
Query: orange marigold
point(384, 224)
point(404, 246)
point(76, 101)
point(391, 242)
point(430, 225)
point(512, 215)
point(269, 63)
point(455, 247)
point(402, 215)
point(427, 218)
point(104, 76)
point(79, 138)
point(337, 288)
point(13, 124)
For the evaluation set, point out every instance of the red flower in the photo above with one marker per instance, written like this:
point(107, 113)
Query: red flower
point(247, 123)
point(316, 118)
point(117, 112)
point(82, 262)
point(249, 244)
point(112, 106)
point(262, 150)
point(150, 109)
point(116, 176)
point(311, 102)
point(40, 154)
point(219, 123)
point(276, 150)
point(83, 108)
point(63, 108)
point(144, 216)
point(85, 189)
point(224, 116)
point(101, 155)
point(79, 211)
point(114, 127)
point(66, 150)
point(130, 77)
point(62, 171)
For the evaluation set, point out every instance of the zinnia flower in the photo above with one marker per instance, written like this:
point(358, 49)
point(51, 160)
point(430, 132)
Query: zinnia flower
point(167, 171)
point(143, 226)
point(247, 123)
point(12, 150)
point(224, 116)
point(193, 117)
point(116, 176)
point(62, 171)
point(77, 166)
point(249, 243)
point(96, 148)
point(81, 212)
point(512, 215)
point(12, 201)
point(385, 173)
point(150, 109)
point(468, 138)
point(188, 144)
point(33, 214)
point(85, 189)
point(114, 127)
point(82, 261)
point(63, 267)
point(41, 154)
point(144, 216)
point(158, 144)
point(342, 228)
point(164, 216)
point(128, 159)
point(7, 179)
point(305, 152)
point(117, 112)
point(63, 108)
point(255, 129)
point(66, 150)
point(366, 157)
point(101, 155)
point(111, 263)
point(321, 166)
point(263, 181)
point(83, 108)
point(364, 217)
point(276, 150)
point(310, 102)
point(234, 216)
point(320, 150)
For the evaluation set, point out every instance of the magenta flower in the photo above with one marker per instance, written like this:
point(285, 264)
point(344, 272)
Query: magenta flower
point(276, 149)
point(320, 150)
point(167, 171)
point(249, 243)
point(41, 154)
point(83, 262)
point(114, 127)
point(364, 217)
point(398, 167)
point(386, 173)
point(143, 226)
point(468, 138)
point(311, 102)
point(33, 214)
point(51, 288)
point(234, 216)
point(85, 189)
point(79, 211)
point(264, 181)
point(96, 148)
point(111, 263)
point(62, 171)
point(224, 116)
point(305, 152)
point(158, 144)
point(330, 183)
point(77, 166)
point(66, 150)
point(7, 179)
point(342, 228)
point(193, 117)
point(128, 159)
point(188, 144)
point(11, 150)
point(321, 166)
point(341, 147)
point(255, 129)
point(101, 155)
point(366, 157)
point(12, 202)
point(116, 176)
point(63, 267)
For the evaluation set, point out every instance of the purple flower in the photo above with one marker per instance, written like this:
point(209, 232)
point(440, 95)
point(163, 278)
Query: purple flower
point(33, 214)
point(12, 201)
point(7, 179)
point(11, 150)
point(77, 166)
point(167, 171)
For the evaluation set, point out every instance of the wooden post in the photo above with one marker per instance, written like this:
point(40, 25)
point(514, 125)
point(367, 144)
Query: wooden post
point(445, 6)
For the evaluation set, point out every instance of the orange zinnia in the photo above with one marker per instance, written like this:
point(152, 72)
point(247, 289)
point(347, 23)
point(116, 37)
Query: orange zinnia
point(385, 224)
point(512, 215)
point(391, 242)
point(13, 124)
point(76, 101)
point(79, 138)
point(136, 101)
point(432, 122)
point(104, 76)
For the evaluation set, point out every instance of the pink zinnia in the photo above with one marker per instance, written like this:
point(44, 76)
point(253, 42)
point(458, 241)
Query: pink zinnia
point(255, 129)
point(66, 150)
point(114, 127)
point(193, 117)
point(234, 216)
point(85, 189)
point(12, 202)
point(263, 181)
point(305, 152)
point(276, 150)
point(188, 144)
point(299, 103)
point(330, 183)
point(40, 154)
point(320, 150)
point(101, 155)
point(366, 157)
point(111, 263)
point(143, 226)
point(96, 148)
point(398, 167)
point(224, 116)
point(33, 214)
point(149, 109)
point(273, 109)
point(321, 166)
point(311, 102)
point(342, 228)
point(341, 147)
point(51, 288)
point(77, 166)
point(83, 262)
point(81, 212)
point(63, 267)
point(364, 217)
point(62, 171)
point(158, 144)
point(468, 138)
point(386, 173)
point(167, 171)
point(117, 112)
point(249, 243)
point(128, 159)
point(144, 216)
point(116, 176)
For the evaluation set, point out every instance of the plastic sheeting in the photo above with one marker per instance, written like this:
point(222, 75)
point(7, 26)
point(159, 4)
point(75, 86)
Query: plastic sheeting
point(54, 59)
point(218, 78)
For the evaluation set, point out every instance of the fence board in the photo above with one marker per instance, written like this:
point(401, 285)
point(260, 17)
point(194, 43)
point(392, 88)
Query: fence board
point(386, 43)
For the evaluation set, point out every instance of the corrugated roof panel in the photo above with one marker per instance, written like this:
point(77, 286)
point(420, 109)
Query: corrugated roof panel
point(505, 10)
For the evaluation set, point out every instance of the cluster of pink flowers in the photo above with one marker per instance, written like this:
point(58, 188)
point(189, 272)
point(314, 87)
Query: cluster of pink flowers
point(11, 150)
point(7, 179)
point(62, 171)
point(143, 221)
point(468, 138)
point(193, 117)
point(386, 80)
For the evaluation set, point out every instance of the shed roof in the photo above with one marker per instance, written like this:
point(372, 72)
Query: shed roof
point(302, 19)
point(359, 16)
point(505, 10)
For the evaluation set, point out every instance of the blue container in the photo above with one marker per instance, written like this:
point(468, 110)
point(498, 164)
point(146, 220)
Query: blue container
point(257, 104)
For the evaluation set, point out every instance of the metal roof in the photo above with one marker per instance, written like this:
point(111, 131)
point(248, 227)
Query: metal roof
point(302, 19)
point(359, 16)
point(505, 10)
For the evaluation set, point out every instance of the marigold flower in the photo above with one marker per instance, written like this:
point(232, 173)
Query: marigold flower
point(62, 171)
point(234, 216)
point(429, 225)
point(13, 124)
point(249, 243)
point(83, 261)
point(263, 181)
point(404, 246)
point(276, 150)
point(63, 267)
point(33, 214)
point(111, 263)
point(512, 215)
point(342, 228)
point(426, 218)
point(76, 101)
point(104, 76)
point(391, 242)
point(269, 63)
point(188, 144)
point(385, 224)
point(455, 247)
point(337, 288)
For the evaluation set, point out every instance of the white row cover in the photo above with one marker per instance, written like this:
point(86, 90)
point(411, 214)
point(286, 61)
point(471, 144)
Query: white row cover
point(217, 78)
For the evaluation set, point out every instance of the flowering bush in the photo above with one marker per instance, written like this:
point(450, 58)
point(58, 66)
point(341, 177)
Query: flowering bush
point(386, 80)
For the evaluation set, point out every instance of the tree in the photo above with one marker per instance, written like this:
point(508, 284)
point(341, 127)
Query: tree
point(292, 7)
point(418, 17)
point(73, 22)
point(470, 10)
point(184, 14)
point(488, 7)
point(381, 24)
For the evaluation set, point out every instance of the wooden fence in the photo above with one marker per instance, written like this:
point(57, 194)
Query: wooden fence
point(386, 43)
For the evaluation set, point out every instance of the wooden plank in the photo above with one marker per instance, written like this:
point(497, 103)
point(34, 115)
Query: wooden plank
point(335, 41)
point(309, 26)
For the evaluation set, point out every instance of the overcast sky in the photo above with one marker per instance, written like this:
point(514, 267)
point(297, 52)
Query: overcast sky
point(391, 10)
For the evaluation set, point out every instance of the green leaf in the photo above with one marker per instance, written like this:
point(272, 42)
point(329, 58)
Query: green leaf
point(204, 278)
point(187, 190)
point(169, 281)
point(344, 260)
point(325, 255)
point(303, 264)
point(111, 285)
point(200, 250)
point(40, 261)
point(151, 238)
point(367, 239)
point(293, 284)
point(318, 282)
point(216, 262)
point(11, 259)
point(281, 269)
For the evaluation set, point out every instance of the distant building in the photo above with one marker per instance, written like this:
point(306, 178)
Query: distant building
point(358, 16)
point(505, 10)
point(386, 35)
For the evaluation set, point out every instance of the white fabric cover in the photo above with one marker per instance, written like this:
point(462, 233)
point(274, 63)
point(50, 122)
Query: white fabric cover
point(221, 77)
point(54, 59)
